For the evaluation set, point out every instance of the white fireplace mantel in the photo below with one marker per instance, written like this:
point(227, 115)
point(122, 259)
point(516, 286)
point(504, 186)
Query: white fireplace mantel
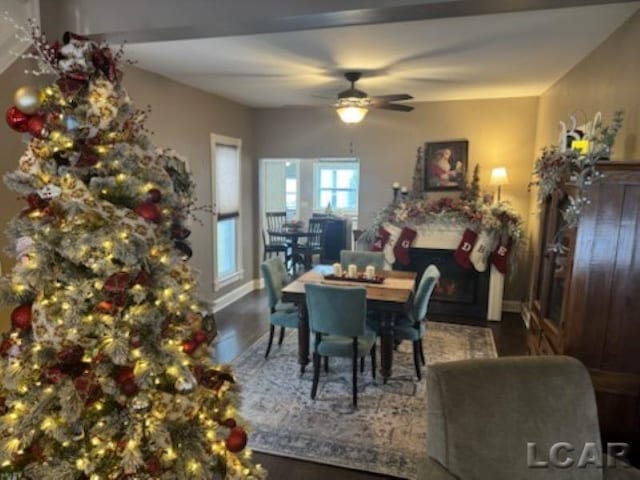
point(448, 238)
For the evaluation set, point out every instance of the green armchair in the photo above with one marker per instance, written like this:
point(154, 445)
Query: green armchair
point(337, 316)
point(483, 414)
point(284, 315)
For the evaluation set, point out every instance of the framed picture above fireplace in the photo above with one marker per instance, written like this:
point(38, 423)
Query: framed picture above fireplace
point(445, 165)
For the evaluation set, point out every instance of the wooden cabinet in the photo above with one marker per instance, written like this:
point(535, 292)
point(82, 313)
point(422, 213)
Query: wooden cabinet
point(586, 295)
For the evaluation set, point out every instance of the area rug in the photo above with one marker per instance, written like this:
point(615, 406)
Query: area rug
point(386, 434)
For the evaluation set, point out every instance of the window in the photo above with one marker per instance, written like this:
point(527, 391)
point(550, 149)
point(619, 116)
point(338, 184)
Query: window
point(226, 181)
point(336, 183)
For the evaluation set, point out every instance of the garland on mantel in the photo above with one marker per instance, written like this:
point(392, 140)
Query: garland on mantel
point(561, 165)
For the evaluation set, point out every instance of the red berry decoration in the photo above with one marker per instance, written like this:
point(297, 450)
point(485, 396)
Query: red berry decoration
point(190, 346)
point(229, 423)
point(154, 195)
point(149, 211)
point(21, 317)
point(53, 375)
point(129, 388)
point(237, 440)
point(87, 385)
point(200, 336)
point(153, 466)
point(35, 126)
point(5, 345)
point(17, 120)
point(143, 278)
point(117, 283)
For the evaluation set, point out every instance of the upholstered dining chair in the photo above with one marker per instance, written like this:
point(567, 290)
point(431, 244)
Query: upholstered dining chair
point(484, 415)
point(337, 316)
point(284, 315)
point(412, 326)
point(362, 259)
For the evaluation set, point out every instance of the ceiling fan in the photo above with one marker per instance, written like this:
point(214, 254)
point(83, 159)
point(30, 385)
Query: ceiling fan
point(353, 104)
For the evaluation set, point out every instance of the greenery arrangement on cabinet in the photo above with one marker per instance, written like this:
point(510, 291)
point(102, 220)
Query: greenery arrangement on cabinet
point(567, 165)
point(106, 372)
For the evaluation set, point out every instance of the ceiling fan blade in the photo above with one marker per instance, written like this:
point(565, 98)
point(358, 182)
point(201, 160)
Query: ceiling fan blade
point(394, 106)
point(391, 98)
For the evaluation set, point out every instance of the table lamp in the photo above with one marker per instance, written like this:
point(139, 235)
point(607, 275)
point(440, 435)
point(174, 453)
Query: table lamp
point(499, 177)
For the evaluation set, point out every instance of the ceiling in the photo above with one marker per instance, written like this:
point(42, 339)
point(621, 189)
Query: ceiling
point(486, 56)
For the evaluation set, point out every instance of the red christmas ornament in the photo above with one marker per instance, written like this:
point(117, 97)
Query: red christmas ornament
point(21, 317)
point(129, 388)
point(35, 126)
point(70, 355)
point(237, 440)
point(154, 195)
point(17, 120)
point(229, 423)
point(88, 157)
point(178, 232)
point(149, 211)
point(190, 346)
point(53, 375)
point(36, 202)
point(123, 375)
point(200, 336)
point(117, 283)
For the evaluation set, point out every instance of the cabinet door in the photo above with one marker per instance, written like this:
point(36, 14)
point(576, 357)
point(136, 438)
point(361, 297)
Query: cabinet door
point(556, 266)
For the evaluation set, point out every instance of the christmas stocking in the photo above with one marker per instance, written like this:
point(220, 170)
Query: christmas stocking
point(481, 250)
point(401, 249)
point(500, 255)
point(394, 234)
point(382, 237)
point(461, 255)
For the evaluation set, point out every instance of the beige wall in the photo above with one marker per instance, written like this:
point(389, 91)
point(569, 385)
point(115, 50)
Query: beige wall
point(182, 118)
point(605, 80)
point(500, 132)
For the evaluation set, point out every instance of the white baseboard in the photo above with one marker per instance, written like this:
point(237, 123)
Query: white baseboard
point(511, 306)
point(237, 293)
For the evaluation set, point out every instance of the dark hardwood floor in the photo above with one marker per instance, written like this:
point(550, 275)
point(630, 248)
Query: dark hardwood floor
point(244, 321)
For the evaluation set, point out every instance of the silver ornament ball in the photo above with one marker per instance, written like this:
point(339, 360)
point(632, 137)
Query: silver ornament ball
point(185, 384)
point(141, 402)
point(27, 99)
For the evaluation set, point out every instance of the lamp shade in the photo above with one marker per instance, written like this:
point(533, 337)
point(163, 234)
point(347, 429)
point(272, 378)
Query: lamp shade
point(351, 114)
point(499, 176)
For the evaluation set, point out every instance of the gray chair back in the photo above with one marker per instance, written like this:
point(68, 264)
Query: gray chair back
point(482, 414)
point(275, 278)
point(362, 259)
point(425, 288)
point(337, 310)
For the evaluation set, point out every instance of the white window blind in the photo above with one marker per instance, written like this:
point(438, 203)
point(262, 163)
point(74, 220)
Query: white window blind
point(227, 181)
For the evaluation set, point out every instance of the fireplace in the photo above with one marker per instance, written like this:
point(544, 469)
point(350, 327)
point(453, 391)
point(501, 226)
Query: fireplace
point(460, 292)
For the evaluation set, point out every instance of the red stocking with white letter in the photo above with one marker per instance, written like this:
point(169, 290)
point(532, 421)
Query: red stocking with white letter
point(463, 251)
point(401, 249)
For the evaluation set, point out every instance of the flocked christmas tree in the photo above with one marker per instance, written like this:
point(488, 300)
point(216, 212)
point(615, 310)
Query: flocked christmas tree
point(471, 190)
point(106, 372)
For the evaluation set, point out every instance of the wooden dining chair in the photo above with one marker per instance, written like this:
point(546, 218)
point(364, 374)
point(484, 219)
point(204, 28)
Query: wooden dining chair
point(412, 326)
point(275, 222)
point(284, 315)
point(337, 317)
point(270, 247)
point(314, 244)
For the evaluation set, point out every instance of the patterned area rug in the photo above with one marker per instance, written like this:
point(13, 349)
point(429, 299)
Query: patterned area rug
point(386, 434)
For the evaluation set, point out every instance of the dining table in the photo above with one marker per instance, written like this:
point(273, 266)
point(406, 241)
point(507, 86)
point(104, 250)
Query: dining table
point(391, 298)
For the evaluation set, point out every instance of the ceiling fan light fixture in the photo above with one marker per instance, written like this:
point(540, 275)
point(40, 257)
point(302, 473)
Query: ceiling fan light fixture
point(352, 110)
